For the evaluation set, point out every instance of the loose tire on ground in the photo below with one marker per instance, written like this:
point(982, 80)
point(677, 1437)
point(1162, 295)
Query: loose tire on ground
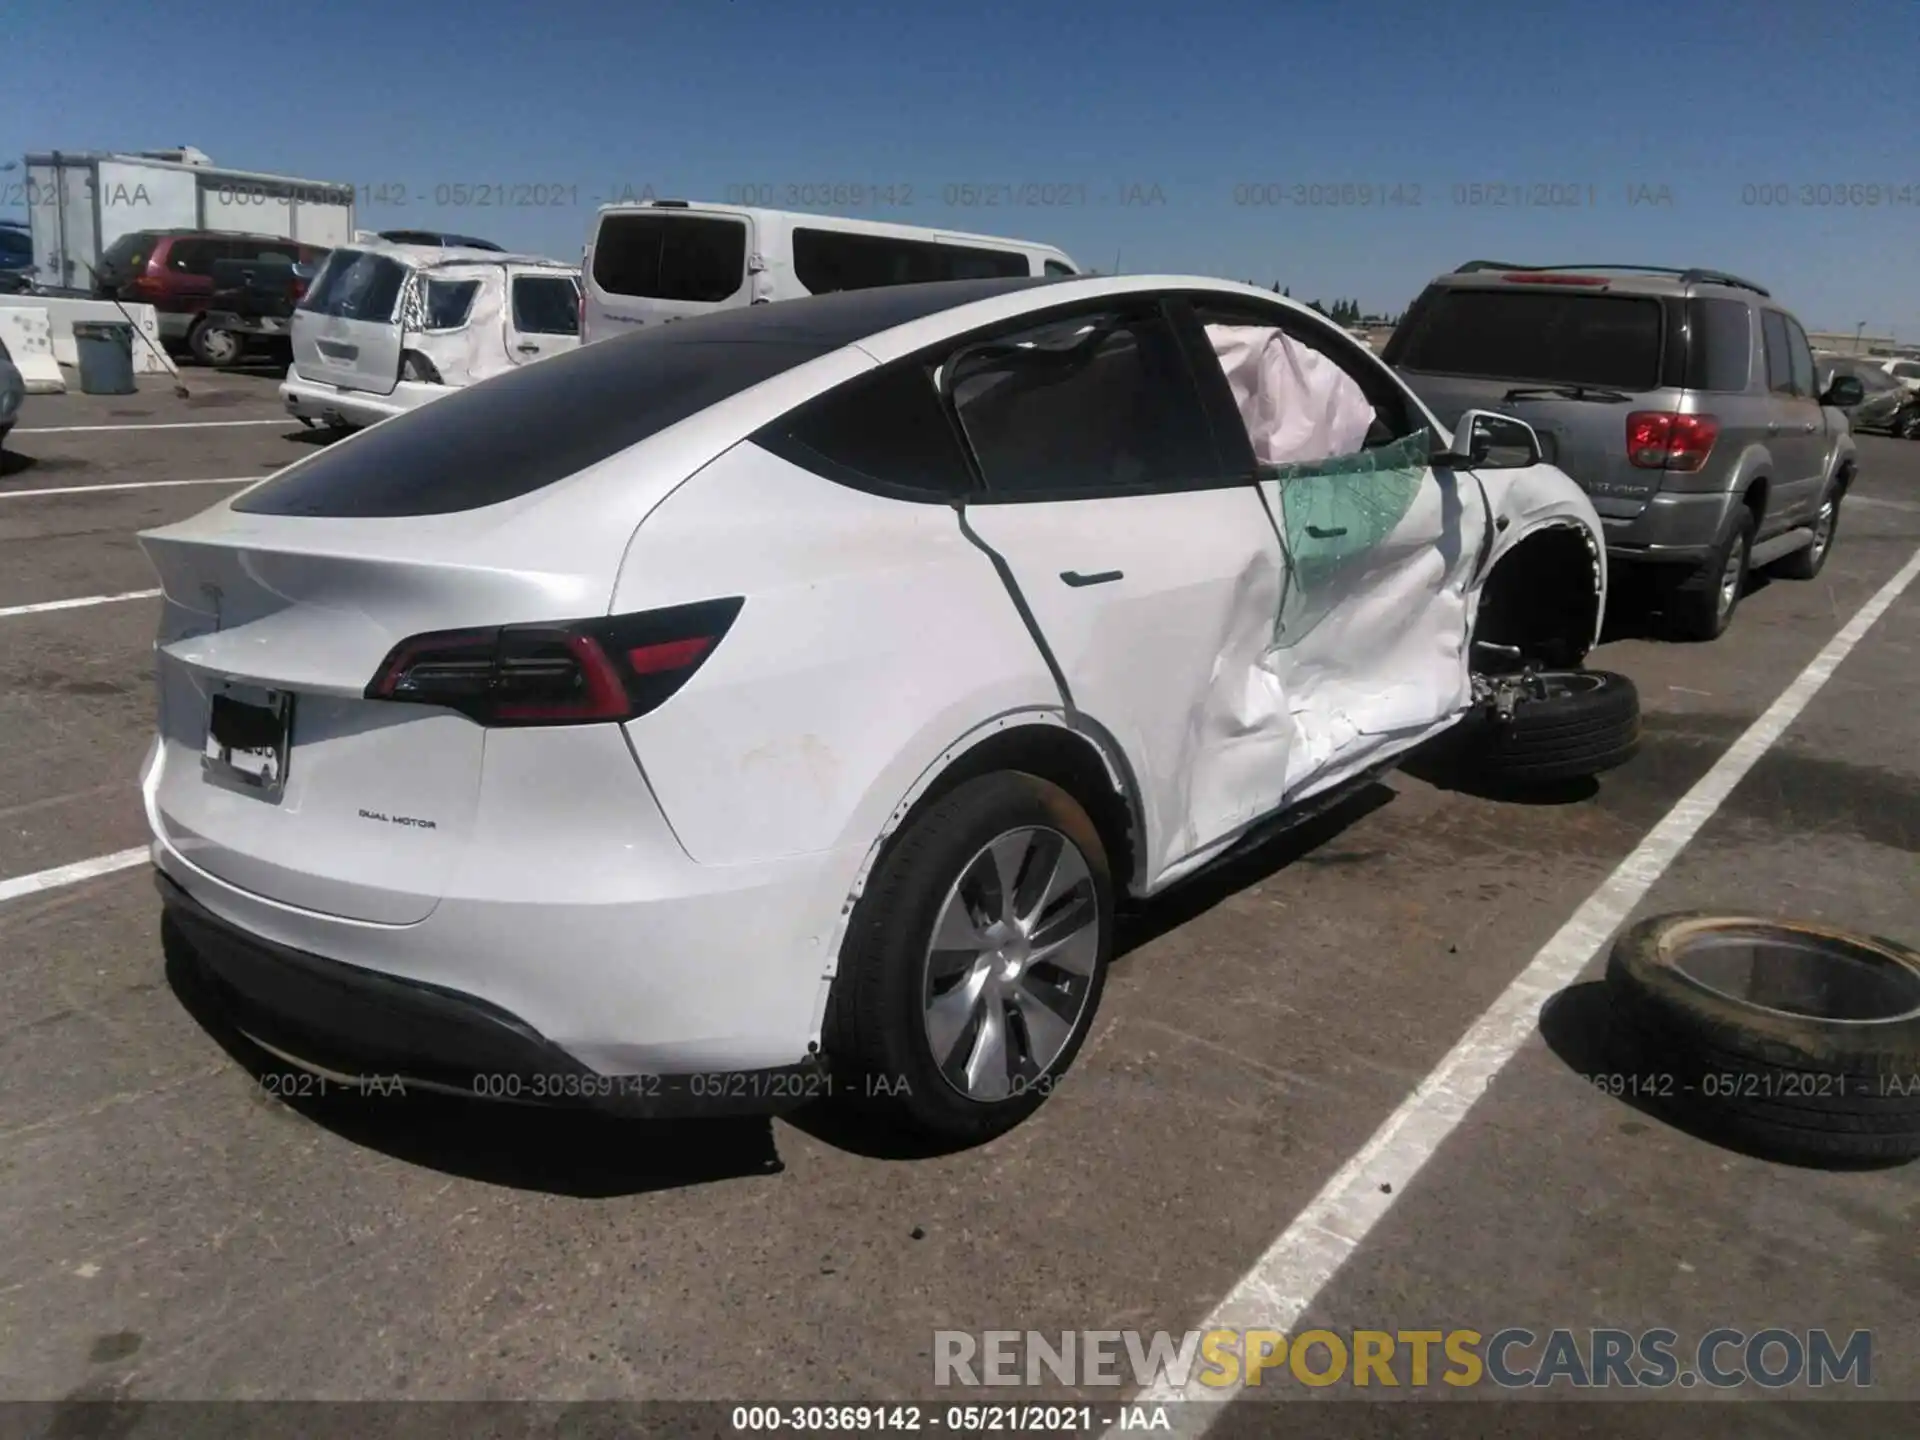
point(877, 1034)
point(1701, 606)
point(1795, 1040)
point(1585, 722)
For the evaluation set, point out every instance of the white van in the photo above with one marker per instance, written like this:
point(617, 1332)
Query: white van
point(384, 328)
point(664, 259)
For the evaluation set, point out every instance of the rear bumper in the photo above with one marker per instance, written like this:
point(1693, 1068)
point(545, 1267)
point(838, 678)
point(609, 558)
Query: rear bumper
point(335, 404)
point(384, 1034)
point(1673, 528)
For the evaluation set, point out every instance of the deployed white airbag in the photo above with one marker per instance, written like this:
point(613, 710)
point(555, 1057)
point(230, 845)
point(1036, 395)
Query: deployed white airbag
point(1297, 404)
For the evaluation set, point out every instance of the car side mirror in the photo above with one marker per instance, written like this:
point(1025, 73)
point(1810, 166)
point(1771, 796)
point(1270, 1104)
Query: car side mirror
point(1845, 391)
point(1488, 440)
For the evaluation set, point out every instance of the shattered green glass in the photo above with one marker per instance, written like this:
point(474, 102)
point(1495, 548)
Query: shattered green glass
point(1336, 510)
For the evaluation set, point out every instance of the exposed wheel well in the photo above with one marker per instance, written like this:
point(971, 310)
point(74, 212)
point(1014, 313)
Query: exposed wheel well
point(1543, 599)
point(1070, 761)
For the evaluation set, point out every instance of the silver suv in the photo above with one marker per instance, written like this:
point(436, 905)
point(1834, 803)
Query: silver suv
point(1684, 403)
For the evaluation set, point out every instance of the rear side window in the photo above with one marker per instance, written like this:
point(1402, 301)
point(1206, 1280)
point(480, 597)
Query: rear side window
point(448, 303)
point(357, 285)
point(886, 432)
point(1773, 329)
point(1098, 403)
point(1546, 336)
point(1801, 355)
point(699, 258)
point(545, 305)
point(194, 256)
point(825, 261)
point(1720, 345)
point(526, 430)
point(1055, 267)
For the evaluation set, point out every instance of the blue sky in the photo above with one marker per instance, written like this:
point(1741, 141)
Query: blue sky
point(1653, 129)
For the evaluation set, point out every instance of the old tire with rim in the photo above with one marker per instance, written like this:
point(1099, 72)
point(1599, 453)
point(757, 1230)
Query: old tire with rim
point(1704, 601)
point(212, 345)
point(1806, 563)
point(1797, 1040)
point(974, 960)
point(1567, 725)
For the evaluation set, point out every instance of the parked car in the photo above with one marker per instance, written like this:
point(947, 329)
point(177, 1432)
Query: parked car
point(437, 237)
point(256, 298)
point(667, 259)
point(1886, 404)
point(16, 258)
point(13, 393)
point(172, 270)
point(1903, 368)
point(772, 705)
point(1683, 401)
point(385, 328)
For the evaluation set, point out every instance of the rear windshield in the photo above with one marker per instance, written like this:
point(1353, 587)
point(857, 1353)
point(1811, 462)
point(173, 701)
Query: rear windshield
point(1554, 337)
point(127, 252)
point(701, 258)
point(356, 285)
point(523, 431)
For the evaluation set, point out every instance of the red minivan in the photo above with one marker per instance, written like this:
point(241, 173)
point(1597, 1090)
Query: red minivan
point(172, 270)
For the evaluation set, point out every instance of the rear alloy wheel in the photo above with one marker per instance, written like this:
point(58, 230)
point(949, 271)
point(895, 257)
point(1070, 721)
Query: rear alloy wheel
point(1545, 727)
point(1807, 563)
point(974, 960)
point(1703, 604)
point(212, 345)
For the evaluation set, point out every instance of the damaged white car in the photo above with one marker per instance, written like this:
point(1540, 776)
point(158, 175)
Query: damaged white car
point(773, 705)
point(384, 328)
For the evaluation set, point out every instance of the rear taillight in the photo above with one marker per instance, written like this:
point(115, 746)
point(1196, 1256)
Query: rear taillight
point(571, 672)
point(1660, 441)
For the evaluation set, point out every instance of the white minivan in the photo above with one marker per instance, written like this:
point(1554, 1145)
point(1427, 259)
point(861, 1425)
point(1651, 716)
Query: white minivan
point(386, 327)
point(662, 260)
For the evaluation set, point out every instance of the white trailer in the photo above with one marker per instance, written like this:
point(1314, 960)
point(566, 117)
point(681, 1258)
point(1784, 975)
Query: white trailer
point(80, 202)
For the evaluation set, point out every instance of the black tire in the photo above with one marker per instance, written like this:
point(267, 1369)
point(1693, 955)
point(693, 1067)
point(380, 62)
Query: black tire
point(1586, 722)
point(1765, 1069)
point(212, 345)
point(876, 1037)
point(1698, 608)
point(1806, 563)
point(1907, 426)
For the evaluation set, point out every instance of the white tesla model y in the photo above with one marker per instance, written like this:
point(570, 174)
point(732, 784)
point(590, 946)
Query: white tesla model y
point(773, 704)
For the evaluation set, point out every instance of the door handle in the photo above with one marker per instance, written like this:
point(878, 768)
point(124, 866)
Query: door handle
point(1808, 427)
point(527, 347)
point(1773, 427)
point(1317, 533)
point(1100, 577)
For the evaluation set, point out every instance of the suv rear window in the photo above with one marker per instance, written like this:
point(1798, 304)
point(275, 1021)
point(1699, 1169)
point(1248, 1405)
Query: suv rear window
point(828, 260)
point(524, 431)
point(356, 285)
point(700, 258)
point(1554, 337)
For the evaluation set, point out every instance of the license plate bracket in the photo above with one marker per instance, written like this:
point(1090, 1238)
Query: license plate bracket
point(249, 735)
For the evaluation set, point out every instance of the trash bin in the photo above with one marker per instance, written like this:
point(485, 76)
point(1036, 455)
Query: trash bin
point(105, 352)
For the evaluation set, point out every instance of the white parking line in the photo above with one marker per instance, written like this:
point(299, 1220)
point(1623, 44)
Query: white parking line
point(1884, 504)
point(70, 874)
point(1289, 1277)
point(45, 605)
point(127, 485)
point(168, 425)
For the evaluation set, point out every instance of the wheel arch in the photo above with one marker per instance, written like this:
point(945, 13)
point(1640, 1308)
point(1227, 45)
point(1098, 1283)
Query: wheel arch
point(1545, 595)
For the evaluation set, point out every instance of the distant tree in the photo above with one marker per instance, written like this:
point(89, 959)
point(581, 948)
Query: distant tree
point(1317, 307)
point(1288, 292)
